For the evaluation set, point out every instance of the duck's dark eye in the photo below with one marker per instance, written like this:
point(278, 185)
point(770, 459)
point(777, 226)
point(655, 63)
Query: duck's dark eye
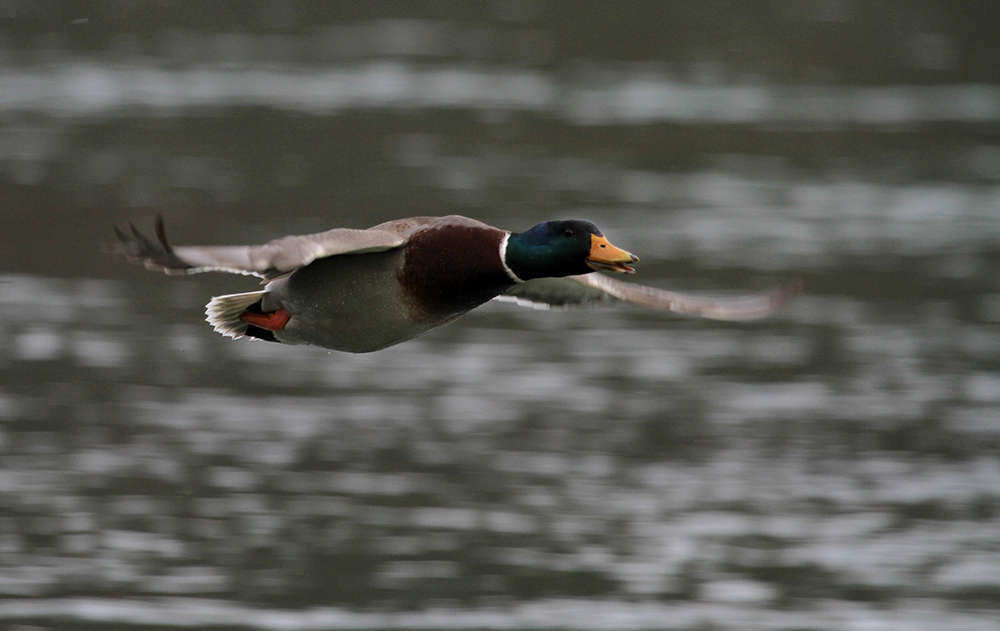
point(568, 232)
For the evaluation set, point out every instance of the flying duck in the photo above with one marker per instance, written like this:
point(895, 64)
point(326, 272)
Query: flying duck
point(365, 290)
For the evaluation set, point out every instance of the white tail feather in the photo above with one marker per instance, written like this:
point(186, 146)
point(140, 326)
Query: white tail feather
point(224, 312)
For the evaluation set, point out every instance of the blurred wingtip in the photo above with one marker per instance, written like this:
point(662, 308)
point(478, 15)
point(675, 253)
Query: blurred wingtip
point(161, 234)
point(784, 294)
point(135, 247)
point(798, 283)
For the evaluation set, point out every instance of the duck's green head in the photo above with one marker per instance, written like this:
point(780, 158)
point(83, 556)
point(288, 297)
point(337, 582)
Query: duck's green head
point(564, 248)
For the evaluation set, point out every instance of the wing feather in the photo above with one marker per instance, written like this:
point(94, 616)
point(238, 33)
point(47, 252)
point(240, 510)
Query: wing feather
point(267, 261)
point(578, 290)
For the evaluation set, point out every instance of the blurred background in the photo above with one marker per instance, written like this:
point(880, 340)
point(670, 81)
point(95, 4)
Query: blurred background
point(834, 467)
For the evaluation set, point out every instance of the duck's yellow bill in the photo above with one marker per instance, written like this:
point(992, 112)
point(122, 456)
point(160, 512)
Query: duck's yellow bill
point(608, 258)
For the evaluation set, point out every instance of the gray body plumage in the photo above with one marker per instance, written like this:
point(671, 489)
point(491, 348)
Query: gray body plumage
point(346, 303)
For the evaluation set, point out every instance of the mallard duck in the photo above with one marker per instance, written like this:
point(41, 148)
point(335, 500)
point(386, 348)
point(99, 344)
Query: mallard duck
point(365, 290)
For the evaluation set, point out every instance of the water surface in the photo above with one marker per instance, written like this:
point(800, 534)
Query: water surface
point(833, 467)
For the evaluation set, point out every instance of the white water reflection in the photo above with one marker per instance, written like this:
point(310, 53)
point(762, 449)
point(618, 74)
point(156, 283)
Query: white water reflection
point(596, 95)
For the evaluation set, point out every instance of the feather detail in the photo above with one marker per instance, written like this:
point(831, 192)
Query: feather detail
point(546, 293)
point(267, 261)
point(224, 312)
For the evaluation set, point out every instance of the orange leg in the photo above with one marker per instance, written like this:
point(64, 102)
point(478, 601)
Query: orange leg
point(273, 321)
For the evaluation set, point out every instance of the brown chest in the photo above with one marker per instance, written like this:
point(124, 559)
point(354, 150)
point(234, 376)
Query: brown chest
point(451, 269)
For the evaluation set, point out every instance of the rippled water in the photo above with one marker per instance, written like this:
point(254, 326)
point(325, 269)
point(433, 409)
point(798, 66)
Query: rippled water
point(589, 469)
point(834, 467)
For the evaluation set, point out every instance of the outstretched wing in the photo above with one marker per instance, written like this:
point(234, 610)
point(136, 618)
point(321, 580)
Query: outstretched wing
point(546, 293)
point(266, 261)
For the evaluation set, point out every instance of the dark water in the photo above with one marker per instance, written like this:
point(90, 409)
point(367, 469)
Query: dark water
point(834, 467)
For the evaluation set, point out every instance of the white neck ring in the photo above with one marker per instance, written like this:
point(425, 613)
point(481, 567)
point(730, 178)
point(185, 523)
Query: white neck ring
point(503, 258)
